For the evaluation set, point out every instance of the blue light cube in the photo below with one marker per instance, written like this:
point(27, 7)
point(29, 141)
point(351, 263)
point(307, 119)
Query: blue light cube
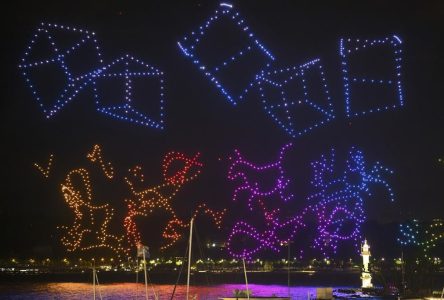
point(227, 52)
point(372, 74)
point(54, 64)
point(297, 98)
point(130, 90)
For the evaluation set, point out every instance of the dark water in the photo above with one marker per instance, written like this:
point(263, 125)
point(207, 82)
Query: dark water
point(70, 290)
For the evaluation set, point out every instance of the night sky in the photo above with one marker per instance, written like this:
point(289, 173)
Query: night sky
point(198, 118)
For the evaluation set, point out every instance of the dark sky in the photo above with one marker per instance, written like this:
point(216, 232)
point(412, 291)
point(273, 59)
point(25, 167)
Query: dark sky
point(198, 119)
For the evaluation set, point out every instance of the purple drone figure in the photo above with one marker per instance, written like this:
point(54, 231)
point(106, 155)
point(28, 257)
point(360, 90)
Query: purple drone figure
point(277, 231)
point(337, 206)
point(256, 190)
point(276, 234)
point(340, 200)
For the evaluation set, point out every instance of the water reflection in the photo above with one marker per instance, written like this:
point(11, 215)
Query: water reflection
point(137, 291)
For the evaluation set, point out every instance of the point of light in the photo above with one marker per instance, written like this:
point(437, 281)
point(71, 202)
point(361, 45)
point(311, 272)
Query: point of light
point(226, 4)
point(397, 38)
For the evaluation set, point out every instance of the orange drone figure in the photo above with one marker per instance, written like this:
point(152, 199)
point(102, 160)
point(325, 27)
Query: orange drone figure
point(171, 232)
point(84, 234)
point(96, 156)
point(160, 197)
point(45, 171)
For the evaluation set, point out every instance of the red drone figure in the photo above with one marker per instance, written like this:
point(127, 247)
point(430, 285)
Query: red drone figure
point(160, 197)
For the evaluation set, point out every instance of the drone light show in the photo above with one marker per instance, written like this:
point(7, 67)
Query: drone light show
point(46, 170)
point(67, 55)
point(422, 235)
point(334, 203)
point(275, 137)
point(90, 227)
point(214, 68)
point(290, 104)
point(297, 98)
point(85, 218)
point(289, 95)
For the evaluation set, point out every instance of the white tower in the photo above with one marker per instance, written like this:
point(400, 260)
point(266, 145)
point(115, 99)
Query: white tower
point(366, 277)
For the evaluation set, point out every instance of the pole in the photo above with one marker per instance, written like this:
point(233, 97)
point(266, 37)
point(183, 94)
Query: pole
point(98, 286)
point(144, 270)
point(246, 280)
point(402, 272)
point(189, 257)
point(137, 270)
point(94, 282)
point(288, 266)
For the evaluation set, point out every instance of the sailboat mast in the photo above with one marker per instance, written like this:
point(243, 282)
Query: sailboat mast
point(246, 280)
point(189, 257)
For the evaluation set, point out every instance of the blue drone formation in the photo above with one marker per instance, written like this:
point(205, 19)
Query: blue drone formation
point(282, 109)
point(353, 82)
point(129, 67)
point(295, 97)
point(64, 48)
point(212, 69)
point(340, 200)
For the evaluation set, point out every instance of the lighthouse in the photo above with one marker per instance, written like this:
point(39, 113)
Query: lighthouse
point(366, 277)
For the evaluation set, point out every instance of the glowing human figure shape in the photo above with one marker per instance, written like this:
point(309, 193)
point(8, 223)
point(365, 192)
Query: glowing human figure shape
point(245, 240)
point(256, 188)
point(159, 197)
point(175, 228)
point(337, 206)
point(90, 227)
point(340, 201)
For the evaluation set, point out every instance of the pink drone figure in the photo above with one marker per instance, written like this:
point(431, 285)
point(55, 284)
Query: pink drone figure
point(256, 190)
point(278, 232)
point(337, 205)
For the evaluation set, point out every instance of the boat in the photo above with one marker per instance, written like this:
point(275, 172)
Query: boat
point(349, 294)
point(246, 294)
